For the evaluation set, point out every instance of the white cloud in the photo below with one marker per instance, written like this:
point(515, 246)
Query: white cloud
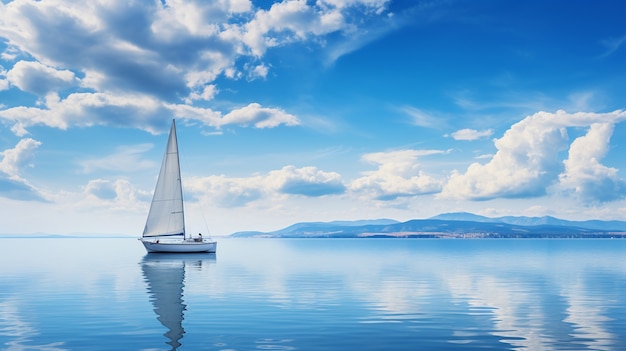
point(238, 192)
point(293, 21)
point(89, 109)
point(125, 159)
point(112, 195)
point(226, 192)
point(40, 79)
point(91, 38)
point(206, 93)
point(398, 175)
point(422, 118)
point(172, 53)
point(526, 162)
point(471, 134)
point(12, 185)
point(377, 6)
point(613, 44)
point(152, 115)
point(4, 83)
point(13, 160)
point(289, 21)
point(260, 117)
point(168, 48)
point(307, 181)
point(585, 175)
point(260, 71)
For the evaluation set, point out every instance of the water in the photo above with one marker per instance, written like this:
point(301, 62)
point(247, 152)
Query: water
point(314, 294)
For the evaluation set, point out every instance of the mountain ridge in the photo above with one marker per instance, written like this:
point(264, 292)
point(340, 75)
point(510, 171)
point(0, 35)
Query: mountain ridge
point(529, 221)
point(454, 225)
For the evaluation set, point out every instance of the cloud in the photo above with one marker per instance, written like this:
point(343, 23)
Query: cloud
point(117, 195)
point(584, 175)
point(134, 64)
point(90, 109)
point(422, 118)
point(13, 160)
point(102, 189)
point(4, 83)
point(398, 175)
point(40, 79)
point(613, 44)
point(471, 134)
point(239, 192)
point(171, 52)
point(526, 162)
point(19, 189)
point(307, 181)
point(260, 117)
point(259, 71)
point(124, 159)
point(291, 21)
point(226, 192)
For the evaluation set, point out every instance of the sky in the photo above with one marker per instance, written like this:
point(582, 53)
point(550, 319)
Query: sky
point(300, 111)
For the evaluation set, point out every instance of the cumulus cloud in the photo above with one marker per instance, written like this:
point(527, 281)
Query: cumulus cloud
point(13, 161)
point(585, 175)
point(398, 175)
point(124, 63)
point(527, 161)
point(290, 21)
point(226, 192)
point(90, 109)
point(307, 181)
point(260, 117)
point(19, 189)
point(471, 134)
point(288, 181)
point(40, 79)
point(4, 83)
point(116, 195)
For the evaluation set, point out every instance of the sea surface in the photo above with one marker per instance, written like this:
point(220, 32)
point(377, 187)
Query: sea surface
point(314, 294)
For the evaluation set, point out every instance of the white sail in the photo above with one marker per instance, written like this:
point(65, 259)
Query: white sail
point(166, 216)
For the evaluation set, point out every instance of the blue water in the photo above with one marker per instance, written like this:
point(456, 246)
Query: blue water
point(314, 294)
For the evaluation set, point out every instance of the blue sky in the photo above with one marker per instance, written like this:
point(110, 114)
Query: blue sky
point(322, 110)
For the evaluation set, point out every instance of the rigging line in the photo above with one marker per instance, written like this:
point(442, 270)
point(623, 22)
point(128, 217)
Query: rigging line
point(204, 219)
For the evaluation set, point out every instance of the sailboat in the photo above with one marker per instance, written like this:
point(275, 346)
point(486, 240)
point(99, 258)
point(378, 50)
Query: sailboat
point(165, 226)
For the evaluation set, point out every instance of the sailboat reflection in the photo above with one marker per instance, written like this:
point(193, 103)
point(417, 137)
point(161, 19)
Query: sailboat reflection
point(165, 275)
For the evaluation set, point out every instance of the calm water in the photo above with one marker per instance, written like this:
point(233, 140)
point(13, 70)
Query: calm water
point(315, 294)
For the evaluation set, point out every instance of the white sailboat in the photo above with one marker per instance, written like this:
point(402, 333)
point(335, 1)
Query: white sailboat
point(165, 226)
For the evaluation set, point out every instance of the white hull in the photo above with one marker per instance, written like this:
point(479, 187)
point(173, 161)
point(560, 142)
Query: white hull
point(179, 246)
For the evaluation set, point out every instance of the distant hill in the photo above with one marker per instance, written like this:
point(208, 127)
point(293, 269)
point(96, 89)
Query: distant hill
point(308, 229)
point(533, 221)
point(451, 225)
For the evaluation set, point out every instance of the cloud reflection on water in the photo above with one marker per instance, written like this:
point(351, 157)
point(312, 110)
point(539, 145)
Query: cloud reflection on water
point(532, 299)
point(336, 294)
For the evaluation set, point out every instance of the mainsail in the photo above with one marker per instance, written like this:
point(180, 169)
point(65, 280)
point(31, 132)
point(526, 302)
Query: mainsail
point(166, 216)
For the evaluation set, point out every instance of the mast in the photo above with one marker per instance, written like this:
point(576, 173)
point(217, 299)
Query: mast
point(179, 178)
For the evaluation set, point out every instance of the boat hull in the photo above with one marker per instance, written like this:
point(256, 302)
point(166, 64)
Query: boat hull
point(180, 246)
